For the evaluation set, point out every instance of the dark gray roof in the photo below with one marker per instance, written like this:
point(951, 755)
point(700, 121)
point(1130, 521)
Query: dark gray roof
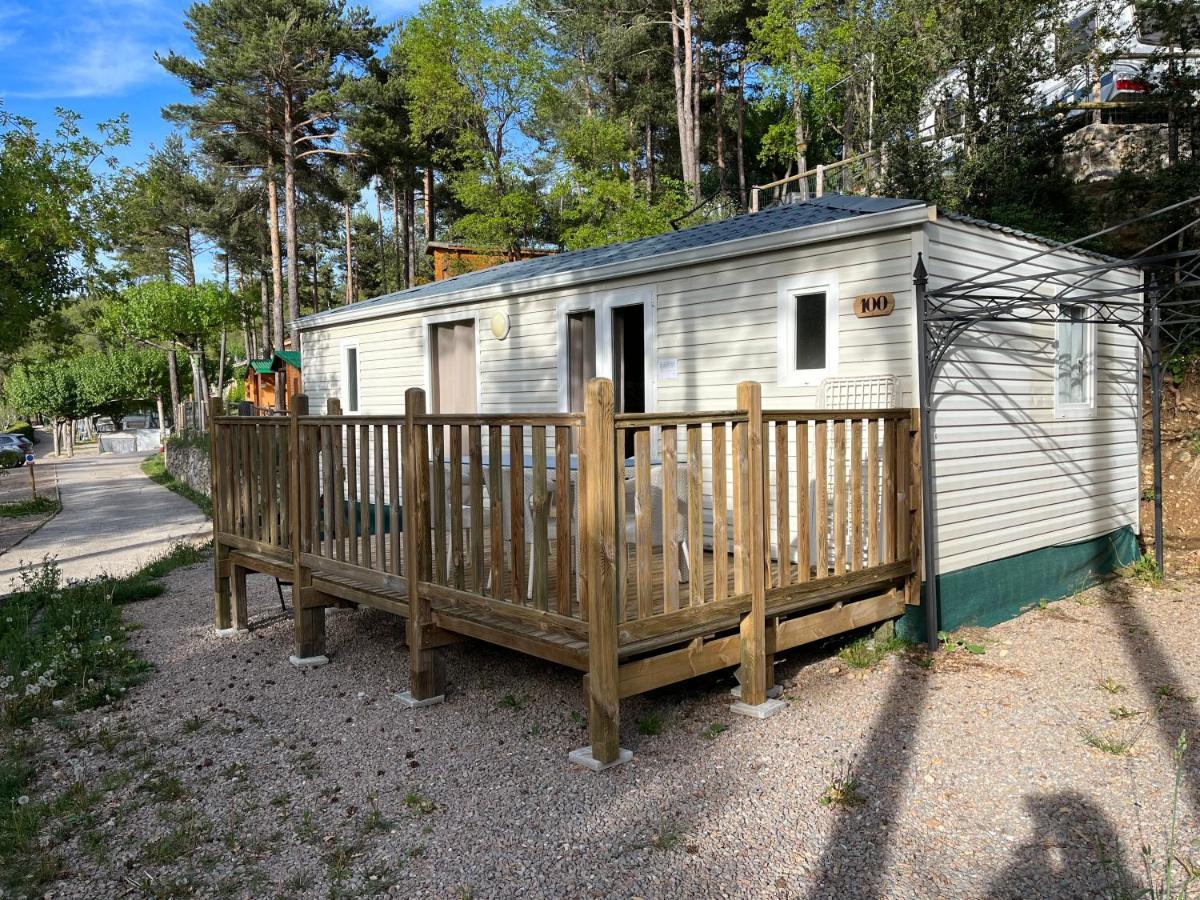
point(1025, 235)
point(817, 211)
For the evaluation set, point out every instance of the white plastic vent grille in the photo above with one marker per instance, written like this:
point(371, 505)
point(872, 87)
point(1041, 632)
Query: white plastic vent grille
point(859, 392)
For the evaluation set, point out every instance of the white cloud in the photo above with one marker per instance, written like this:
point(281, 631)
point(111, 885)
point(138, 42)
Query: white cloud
point(102, 48)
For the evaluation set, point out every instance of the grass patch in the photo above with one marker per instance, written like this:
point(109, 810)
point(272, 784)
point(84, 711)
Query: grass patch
point(39, 507)
point(713, 731)
point(868, 651)
point(1145, 570)
point(843, 790)
point(418, 803)
point(651, 724)
point(156, 470)
point(1110, 685)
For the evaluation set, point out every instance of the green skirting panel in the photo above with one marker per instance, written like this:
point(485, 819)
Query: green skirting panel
point(995, 591)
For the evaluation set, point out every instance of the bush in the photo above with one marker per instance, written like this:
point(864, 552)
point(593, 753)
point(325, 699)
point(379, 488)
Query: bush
point(9, 459)
point(22, 428)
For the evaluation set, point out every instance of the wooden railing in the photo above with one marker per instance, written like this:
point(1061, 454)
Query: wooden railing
point(590, 539)
point(852, 175)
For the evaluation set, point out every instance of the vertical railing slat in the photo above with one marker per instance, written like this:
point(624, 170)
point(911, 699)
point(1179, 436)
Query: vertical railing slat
point(437, 499)
point(540, 510)
point(695, 514)
point(839, 497)
point(873, 492)
point(856, 497)
point(475, 474)
point(783, 505)
point(457, 527)
point(643, 523)
point(516, 475)
point(821, 483)
point(802, 503)
point(380, 499)
point(352, 491)
point(395, 463)
point(670, 520)
point(496, 499)
point(720, 514)
point(563, 528)
point(889, 491)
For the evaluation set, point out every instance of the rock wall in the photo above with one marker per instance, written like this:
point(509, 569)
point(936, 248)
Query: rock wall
point(191, 466)
point(1097, 152)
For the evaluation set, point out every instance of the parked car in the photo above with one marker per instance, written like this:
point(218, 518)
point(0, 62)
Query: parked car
point(16, 443)
point(26, 443)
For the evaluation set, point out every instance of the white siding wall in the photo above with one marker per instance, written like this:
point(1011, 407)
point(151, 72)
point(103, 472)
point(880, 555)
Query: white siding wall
point(718, 320)
point(1012, 477)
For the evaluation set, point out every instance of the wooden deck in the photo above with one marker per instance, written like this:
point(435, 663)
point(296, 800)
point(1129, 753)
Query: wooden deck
point(421, 516)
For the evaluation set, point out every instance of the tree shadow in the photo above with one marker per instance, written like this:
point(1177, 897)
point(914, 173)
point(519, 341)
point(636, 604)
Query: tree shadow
point(854, 862)
point(1074, 852)
point(1160, 681)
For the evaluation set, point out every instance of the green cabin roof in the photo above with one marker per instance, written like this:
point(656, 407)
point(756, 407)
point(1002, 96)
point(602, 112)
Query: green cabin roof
point(291, 357)
point(261, 366)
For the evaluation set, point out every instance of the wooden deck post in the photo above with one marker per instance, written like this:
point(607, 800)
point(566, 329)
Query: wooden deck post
point(308, 621)
point(222, 571)
point(598, 546)
point(426, 673)
point(753, 671)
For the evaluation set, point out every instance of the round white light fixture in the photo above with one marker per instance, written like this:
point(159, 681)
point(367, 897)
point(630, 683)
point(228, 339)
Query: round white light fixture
point(500, 325)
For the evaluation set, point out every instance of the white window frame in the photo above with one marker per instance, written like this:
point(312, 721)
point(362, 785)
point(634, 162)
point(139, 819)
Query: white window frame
point(602, 306)
point(344, 392)
point(1086, 409)
point(427, 323)
point(787, 290)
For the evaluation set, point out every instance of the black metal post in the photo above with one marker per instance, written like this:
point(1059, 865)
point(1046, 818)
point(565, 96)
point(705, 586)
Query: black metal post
point(929, 538)
point(1156, 383)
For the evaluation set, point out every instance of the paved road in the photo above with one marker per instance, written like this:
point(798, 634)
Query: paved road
point(114, 520)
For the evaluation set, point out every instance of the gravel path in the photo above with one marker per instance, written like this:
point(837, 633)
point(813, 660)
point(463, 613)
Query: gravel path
point(231, 773)
point(113, 520)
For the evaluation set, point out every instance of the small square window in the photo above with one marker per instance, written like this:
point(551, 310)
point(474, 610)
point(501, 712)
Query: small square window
point(810, 331)
point(807, 335)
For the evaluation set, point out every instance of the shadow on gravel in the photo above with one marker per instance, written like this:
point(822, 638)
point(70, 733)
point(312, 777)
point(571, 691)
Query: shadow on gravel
point(1074, 851)
point(854, 862)
point(1161, 684)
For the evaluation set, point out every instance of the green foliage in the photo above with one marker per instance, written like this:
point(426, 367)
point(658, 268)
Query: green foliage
point(1145, 569)
point(110, 383)
point(866, 652)
point(48, 388)
point(23, 508)
point(160, 311)
point(9, 459)
point(52, 203)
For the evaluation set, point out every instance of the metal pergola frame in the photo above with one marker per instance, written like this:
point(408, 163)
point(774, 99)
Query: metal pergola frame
point(1160, 318)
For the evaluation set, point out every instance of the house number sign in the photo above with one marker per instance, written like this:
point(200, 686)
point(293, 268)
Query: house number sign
point(867, 306)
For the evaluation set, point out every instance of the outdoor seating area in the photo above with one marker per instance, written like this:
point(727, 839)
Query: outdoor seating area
point(638, 549)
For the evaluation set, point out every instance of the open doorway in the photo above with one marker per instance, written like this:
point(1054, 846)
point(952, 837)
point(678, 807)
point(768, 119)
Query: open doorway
point(629, 363)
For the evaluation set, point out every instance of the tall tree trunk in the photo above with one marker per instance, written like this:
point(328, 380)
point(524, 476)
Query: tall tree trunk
point(683, 69)
point(383, 281)
point(397, 239)
point(349, 253)
point(189, 257)
point(276, 336)
point(289, 212)
point(316, 279)
point(741, 131)
point(719, 121)
point(410, 249)
point(221, 365)
point(56, 432)
point(799, 136)
point(650, 160)
point(428, 198)
point(265, 310)
point(173, 378)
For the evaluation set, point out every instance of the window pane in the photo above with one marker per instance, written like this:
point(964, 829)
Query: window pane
point(351, 379)
point(1072, 362)
point(810, 331)
point(581, 355)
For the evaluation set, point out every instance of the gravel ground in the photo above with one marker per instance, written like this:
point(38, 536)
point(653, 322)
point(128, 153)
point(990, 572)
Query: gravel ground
point(231, 773)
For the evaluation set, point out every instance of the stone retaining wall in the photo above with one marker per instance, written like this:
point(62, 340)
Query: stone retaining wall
point(191, 466)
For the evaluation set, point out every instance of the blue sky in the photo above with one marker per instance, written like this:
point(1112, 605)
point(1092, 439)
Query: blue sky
point(96, 57)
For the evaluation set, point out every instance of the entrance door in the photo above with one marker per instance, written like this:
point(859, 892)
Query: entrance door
point(452, 375)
